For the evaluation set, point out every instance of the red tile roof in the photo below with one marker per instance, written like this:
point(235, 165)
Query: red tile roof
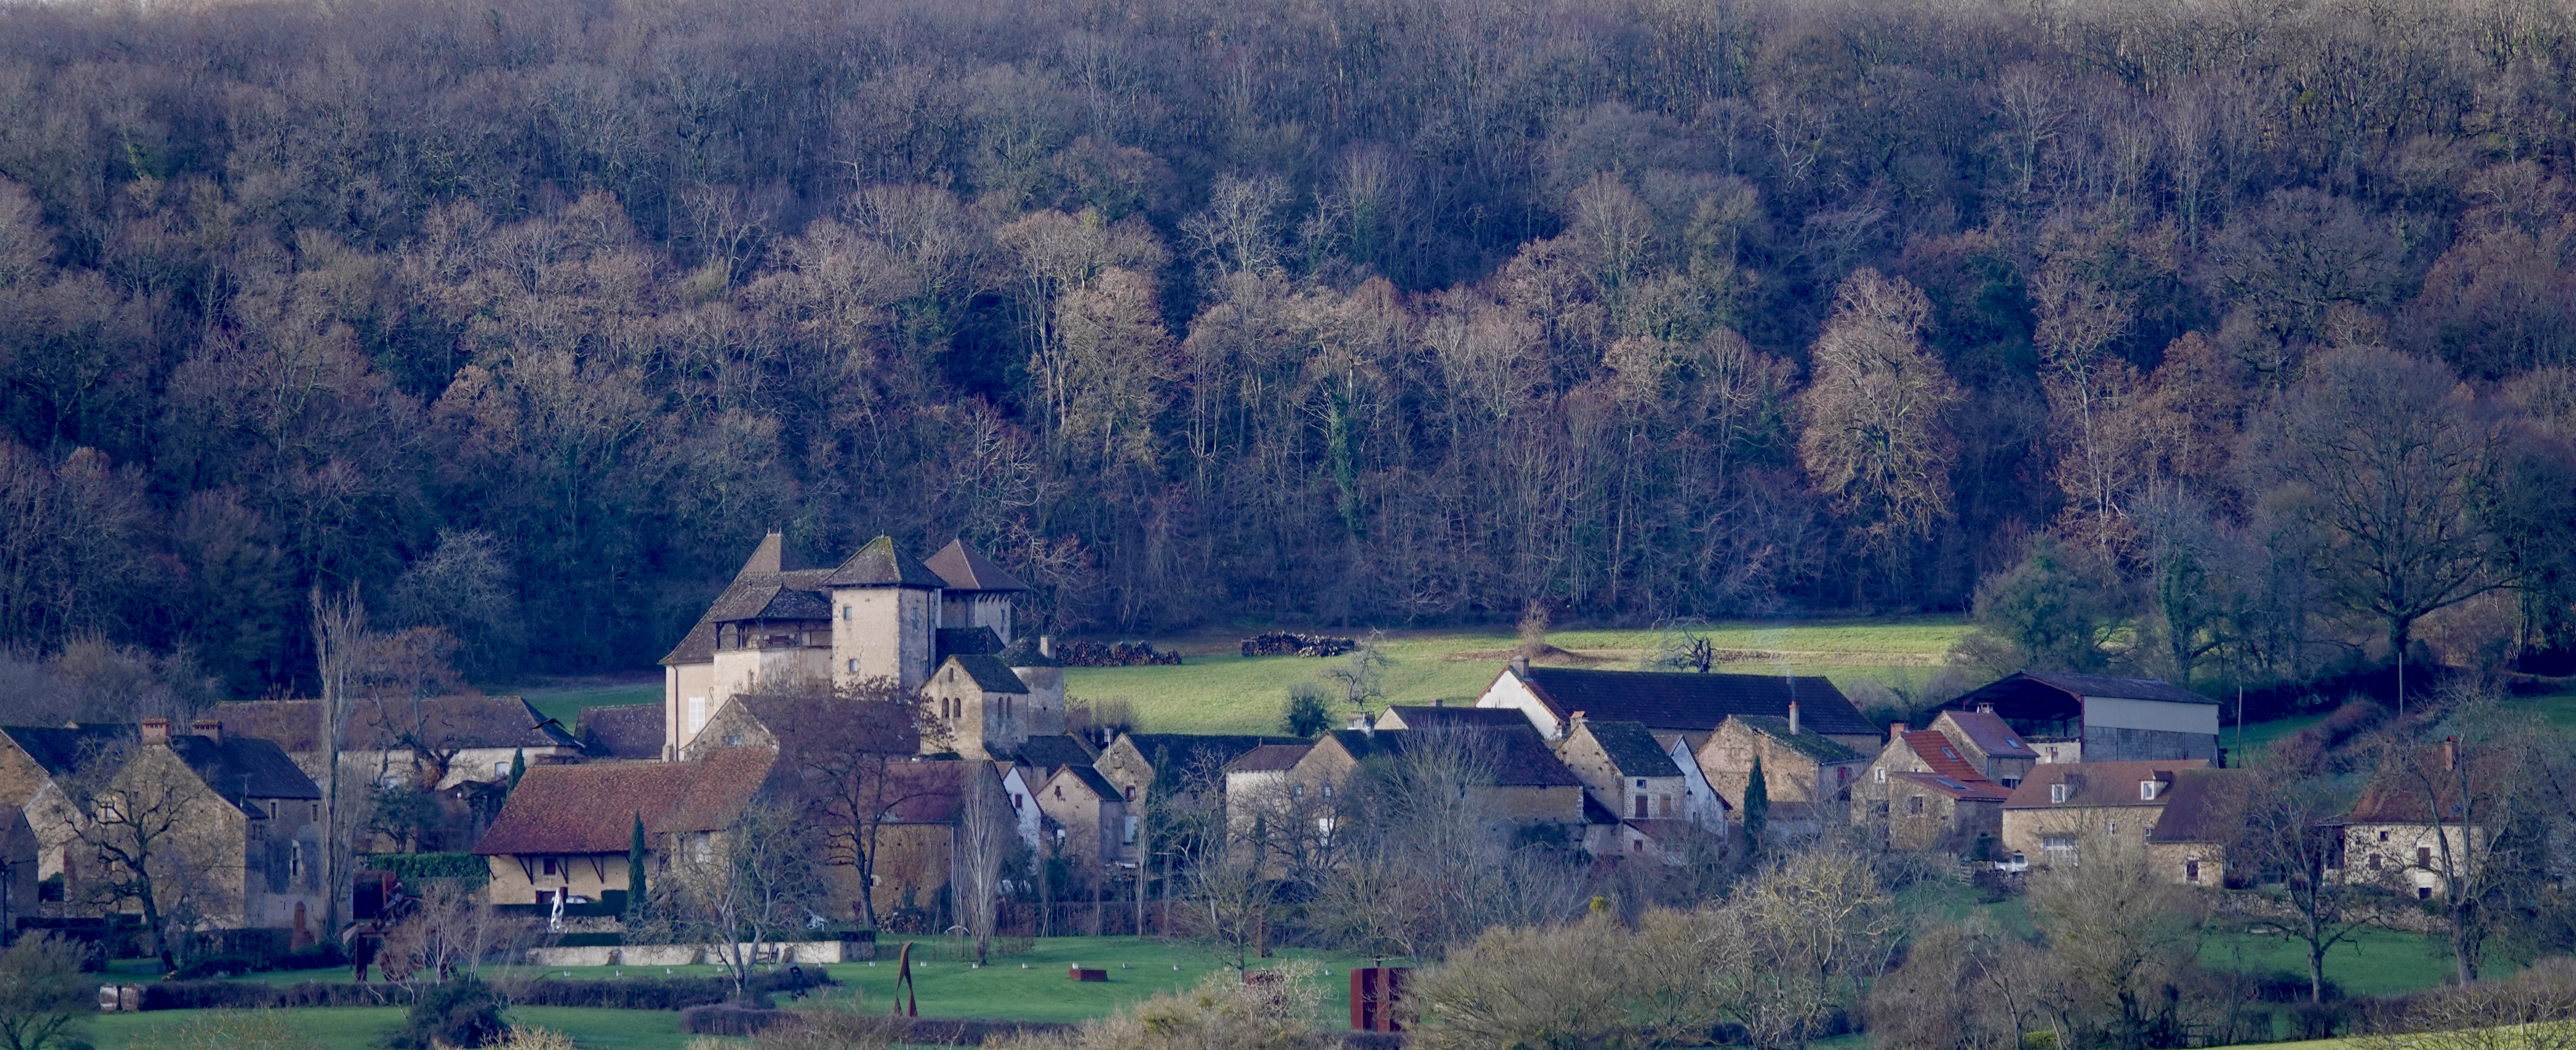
point(592, 809)
point(1987, 731)
point(1977, 789)
point(1937, 752)
point(2099, 783)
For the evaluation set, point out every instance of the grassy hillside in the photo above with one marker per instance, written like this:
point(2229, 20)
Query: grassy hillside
point(1217, 690)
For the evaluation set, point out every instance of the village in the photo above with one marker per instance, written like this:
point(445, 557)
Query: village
point(850, 755)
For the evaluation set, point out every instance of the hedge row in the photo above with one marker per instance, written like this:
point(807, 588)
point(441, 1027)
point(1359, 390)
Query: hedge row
point(414, 868)
point(629, 993)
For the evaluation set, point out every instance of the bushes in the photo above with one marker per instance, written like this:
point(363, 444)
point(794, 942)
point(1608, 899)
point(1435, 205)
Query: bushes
point(1289, 643)
point(1222, 1011)
point(243, 995)
point(415, 868)
point(464, 1012)
point(317, 957)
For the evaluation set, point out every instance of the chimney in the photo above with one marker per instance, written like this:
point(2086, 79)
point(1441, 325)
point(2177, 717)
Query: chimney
point(1575, 721)
point(156, 731)
point(2450, 753)
point(1985, 708)
point(1793, 718)
point(1520, 666)
point(208, 728)
point(1895, 731)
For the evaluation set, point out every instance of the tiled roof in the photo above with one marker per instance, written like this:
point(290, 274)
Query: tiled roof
point(1024, 653)
point(1824, 749)
point(989, 674)
point(1977, 789)
point(1424, 716)
point(1187, 753)
point(1688, 701)
point(625, 731)
point(1666, 829)
point(966, 569)
point(2399, 795)
point(1990, 734)
point(592, 809)
point(444, 722)
point(2204, 805)
point(968, 641)
point(1051, 753)
point(1090, 779)
point(749, 591)
point(1632, 750)
point(1269, 758)
point(61, 750)
point(1937, 752)
point(789, 603)
point(2098, 783)
point(243, 767)
point(2098, 685)
point(1520, 757)
point(879, 564)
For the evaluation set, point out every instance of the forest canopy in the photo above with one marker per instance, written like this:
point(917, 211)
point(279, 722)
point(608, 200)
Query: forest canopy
point(2195, 337)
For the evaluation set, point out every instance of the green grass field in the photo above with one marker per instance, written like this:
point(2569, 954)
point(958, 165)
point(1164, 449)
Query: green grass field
point(1216, 690)
point(364, 1027)
point(2372, 962)
point(566, 701)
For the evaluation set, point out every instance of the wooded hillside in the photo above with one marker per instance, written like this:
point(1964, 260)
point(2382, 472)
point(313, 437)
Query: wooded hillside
point(526, 320)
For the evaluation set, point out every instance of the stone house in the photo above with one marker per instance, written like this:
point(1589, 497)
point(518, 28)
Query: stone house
point(2418, 821)
point(35, 762)
point(919, 842)
point(566, 830)
point(1528, 793)
point(1669, 703)
point(1806, 775)
point(1921, 794)
point(1191, 765)
point(1089, 818)
point(2098, 718)
point(436, 743)
point(878, 615)
point(2062, 806)
point(1028, 767)
point(1990, 745)
point(2204, 814)
point(1627, 773)
point(245, 822)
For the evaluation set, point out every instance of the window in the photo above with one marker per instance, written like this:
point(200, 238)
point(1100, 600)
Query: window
point(2057, 792)
point(2374, 862)
point(1059, 791)
point(845, 614)
point(1842, 774)
point(1128, 837)
point(1641, 782)
point(2146, 791)
point(2383, 836)
point(1914, 805)
point(1664, 805)
point(500, 769)
point(2191, 870)
point(1640, 807)
point(295, 861)
point(1016, 799)
point(1636, 845)
point(854, 667)
point(1131, 792)
point(1328, 791)
point(2423, 856)
point(697, 714)
point(2423, 893)
point(1296, 791)
point(2110, 827)
point(2059, 848)
point(1882, 774)
point(546, 866)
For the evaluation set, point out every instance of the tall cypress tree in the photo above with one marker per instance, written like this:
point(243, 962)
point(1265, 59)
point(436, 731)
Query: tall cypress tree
point(635, 869)
point(1757, 807)
point(518, 767)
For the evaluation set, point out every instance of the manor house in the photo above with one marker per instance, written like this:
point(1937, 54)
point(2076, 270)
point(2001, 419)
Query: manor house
point(942, 628)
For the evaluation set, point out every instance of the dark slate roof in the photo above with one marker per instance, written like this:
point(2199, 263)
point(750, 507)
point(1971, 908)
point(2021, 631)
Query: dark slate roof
point(789, 603)
point(592, 809)
point(1596, 813)
point(1090, 778)
point(1270, 758)
point(1806, 741)
point(1695, 702)
point(966, 569)
point(1521, 757)
point(989, 674)
point(1415, 716)
point(1632, 750)
point(1186, 752)
point(63, 750)
point(1051, 753)
point(626, 731)
point(1664, 829)
point(879, 564)
point(1937, 752)
point(2102, 686)
point(1978, 789)
point(2097, 783)
point(1990, 734)
point(968, 641)
point(2204, 805)
point(377, 725)
point(243, 767)
point(1024, 653)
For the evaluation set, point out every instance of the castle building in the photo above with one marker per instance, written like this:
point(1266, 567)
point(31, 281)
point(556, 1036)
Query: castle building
point(942, 630)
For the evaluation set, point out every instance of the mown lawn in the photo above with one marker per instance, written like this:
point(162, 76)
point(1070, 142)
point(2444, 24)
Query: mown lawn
point(2373, 961)
point(1218, 691)
point(364, 1027)
point(566, 702)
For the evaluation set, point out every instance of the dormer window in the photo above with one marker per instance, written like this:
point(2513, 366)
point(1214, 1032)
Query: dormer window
point(2146, 791)
point(2057, 792)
